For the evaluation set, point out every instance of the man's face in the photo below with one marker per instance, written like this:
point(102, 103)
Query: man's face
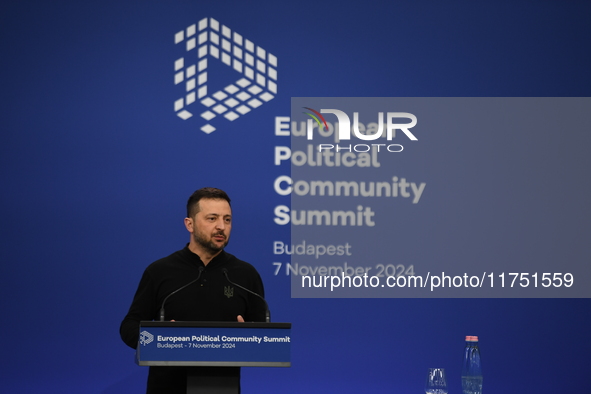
point(211, 226)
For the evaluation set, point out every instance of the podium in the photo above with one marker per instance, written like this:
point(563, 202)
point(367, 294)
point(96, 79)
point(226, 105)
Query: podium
point(224, 345)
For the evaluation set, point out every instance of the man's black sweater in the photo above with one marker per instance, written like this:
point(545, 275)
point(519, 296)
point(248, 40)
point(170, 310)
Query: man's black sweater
point(211, 298)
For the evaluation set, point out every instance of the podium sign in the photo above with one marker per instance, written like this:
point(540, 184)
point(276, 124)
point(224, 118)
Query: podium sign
point(224, 344)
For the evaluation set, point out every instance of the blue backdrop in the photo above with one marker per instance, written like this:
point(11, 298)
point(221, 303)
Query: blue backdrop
point(96, 168)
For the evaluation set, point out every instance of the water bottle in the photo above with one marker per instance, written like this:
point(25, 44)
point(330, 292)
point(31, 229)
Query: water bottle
point(471, 369)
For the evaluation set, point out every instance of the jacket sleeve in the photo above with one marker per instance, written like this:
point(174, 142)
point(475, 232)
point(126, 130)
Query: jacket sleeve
point(142, 308)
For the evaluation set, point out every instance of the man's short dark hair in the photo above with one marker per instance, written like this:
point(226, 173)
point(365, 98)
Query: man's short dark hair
point(205, 193)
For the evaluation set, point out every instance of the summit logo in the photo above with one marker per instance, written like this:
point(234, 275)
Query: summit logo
point(211, 42)
point(146, 338)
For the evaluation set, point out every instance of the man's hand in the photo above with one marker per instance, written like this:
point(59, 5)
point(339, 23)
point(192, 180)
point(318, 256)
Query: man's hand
point(240, 319)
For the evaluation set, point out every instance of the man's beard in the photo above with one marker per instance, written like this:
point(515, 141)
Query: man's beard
point(209, 244)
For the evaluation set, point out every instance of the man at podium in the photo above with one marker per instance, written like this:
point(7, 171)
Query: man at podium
point(196, 283)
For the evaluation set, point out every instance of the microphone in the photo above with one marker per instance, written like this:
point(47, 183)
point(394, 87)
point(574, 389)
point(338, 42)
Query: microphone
point(201, 269)
point(267, 311)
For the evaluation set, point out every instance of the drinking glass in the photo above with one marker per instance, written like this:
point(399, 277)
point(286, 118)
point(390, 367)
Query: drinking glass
point(436, 382)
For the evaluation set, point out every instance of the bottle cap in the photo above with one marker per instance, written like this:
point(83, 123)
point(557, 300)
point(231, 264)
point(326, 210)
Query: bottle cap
point(471, 338)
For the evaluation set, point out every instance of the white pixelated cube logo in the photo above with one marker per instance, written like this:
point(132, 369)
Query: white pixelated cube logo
point(146, 338)
point(210, 42)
